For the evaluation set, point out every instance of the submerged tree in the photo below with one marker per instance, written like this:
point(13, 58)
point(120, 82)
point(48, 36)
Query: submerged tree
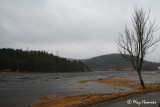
point(136, 44)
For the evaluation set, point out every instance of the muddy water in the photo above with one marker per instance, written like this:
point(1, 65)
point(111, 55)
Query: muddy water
point(21, 89)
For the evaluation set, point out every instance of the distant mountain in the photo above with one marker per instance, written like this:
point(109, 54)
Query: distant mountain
point(37, 61)
point(115, 62)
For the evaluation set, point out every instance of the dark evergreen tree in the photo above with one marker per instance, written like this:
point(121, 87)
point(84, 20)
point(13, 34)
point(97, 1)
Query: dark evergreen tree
point(39, 61)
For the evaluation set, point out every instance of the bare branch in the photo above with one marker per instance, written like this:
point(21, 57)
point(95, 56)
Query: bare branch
point(134, 45)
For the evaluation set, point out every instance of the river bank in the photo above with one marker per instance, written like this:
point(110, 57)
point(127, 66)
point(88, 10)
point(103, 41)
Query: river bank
point(145, 99)
point(95, 100)
point(22, 89)
point(84, 100)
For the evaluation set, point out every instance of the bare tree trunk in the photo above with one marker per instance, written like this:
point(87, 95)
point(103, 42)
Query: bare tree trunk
point(141, 79)
point(135, 44)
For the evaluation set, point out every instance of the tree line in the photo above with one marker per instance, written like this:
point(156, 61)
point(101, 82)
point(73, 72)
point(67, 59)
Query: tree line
point(37, 61)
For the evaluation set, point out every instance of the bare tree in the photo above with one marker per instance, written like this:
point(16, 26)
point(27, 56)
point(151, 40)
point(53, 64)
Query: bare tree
point(136, 44)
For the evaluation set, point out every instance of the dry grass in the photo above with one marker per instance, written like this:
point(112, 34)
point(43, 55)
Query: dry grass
point(121, 77)
point(157, 73)
point(132, 74)
point(91, 99)
point(112, 81)
point(83, 81)
point(81, 100)
point(149, 86)
point(45, 98)
point(151, 74)
point(84, 100)
point(143, 74)
point(71, 85)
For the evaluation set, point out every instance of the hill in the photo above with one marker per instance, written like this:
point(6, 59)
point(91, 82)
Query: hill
point(115, 62)
point(37, 61)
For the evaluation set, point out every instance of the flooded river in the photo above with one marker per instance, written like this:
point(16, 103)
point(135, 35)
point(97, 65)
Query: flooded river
point(21, 89)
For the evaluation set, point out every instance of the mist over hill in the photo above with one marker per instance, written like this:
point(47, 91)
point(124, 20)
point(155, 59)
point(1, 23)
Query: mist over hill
point(115, 62)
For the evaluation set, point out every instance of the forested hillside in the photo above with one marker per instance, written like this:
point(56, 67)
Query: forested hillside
point(115, 62)
point(37, 61)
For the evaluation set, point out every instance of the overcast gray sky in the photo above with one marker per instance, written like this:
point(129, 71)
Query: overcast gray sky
point(76, 28)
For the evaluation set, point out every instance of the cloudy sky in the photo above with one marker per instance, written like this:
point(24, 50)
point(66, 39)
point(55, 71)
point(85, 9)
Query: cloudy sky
point(76, 28)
